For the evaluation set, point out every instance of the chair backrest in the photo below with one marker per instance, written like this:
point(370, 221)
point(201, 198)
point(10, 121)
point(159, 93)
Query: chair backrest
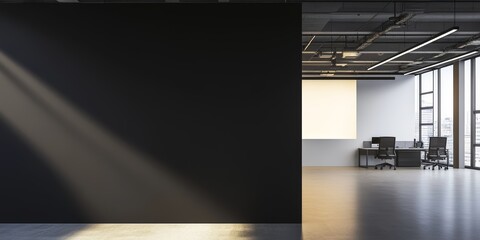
point(386, 146)
point(437, 146)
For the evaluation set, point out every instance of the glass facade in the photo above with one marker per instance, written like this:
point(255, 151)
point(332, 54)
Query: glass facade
point(427, 100)
point(427, 82)
point(434, 108)
point(476, 76)
point(428, 115)
point(446, 107)
point(417, 106)
point(468, 113)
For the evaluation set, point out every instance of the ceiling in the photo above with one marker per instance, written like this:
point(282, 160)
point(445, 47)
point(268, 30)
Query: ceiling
point(345, 38)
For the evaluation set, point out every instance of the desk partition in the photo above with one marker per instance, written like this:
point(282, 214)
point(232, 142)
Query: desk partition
point(407, 156)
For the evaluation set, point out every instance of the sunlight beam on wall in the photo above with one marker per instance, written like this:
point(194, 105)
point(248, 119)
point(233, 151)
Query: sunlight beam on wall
point(109, 178)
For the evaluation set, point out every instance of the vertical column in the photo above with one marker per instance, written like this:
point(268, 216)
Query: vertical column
point(459, 115)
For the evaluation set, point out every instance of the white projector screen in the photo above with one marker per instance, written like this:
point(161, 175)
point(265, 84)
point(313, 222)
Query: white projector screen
point(329, 109)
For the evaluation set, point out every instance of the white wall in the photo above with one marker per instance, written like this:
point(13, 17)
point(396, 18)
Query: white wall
point(384, 108)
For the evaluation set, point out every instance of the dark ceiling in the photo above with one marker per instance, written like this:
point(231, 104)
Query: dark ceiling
point(346, 38)
point(334, 29)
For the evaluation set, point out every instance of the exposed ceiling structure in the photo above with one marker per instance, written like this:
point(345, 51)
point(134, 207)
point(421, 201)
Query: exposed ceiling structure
point(346, 38)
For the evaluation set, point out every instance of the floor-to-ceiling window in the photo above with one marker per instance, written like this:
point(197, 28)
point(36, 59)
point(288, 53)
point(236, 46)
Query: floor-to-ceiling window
point(468, 113)
point(445, 106)
point(427, 115)
point(434, 106)
point(476, 111)
point(417, 107)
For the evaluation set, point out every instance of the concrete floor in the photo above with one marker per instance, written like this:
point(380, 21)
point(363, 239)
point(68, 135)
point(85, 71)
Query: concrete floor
point(338, 203)
point(353, 203)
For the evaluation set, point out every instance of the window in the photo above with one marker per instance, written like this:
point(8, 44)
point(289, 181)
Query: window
point(417, 106)
point(468, 109)
point(472, 112)
point(427, 111)
point(476, 112)
point(446, 107)
point(436, 106)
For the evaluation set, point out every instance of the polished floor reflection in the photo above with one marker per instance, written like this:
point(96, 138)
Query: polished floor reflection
point(345, 203)
point(150, 231)
point(353, 203)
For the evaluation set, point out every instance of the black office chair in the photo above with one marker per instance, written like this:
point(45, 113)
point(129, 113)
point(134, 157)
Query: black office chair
point(437, 150)
point(386, 150)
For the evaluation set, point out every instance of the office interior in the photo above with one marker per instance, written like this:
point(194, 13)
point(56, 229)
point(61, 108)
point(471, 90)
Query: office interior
point(171, 120)
point(415, 66)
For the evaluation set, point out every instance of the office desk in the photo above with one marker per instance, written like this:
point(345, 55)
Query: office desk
point(372, 151)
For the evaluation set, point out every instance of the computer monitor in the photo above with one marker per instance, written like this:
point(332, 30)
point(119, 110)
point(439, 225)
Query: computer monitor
point(375, 142)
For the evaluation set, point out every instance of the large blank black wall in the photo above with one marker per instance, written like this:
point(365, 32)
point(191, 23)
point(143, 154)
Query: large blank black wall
point(212, 92)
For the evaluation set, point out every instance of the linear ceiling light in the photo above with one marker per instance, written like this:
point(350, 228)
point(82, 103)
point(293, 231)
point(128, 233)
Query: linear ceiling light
point(442, 62)
point(310, 42)
point(316, 77)
point(438, 36)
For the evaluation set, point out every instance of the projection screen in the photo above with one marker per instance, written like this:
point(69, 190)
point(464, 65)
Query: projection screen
point(329, 109)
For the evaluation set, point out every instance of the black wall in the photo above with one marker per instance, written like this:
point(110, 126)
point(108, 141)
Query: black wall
point(210, 92)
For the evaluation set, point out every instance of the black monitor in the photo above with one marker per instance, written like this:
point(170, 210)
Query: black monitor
point(375, 140)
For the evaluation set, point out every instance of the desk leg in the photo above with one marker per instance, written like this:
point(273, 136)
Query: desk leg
point(366, 160)
point(359, 154)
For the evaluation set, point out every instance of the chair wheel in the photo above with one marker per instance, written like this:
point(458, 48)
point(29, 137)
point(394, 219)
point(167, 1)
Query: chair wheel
point(381, 168)
point(424, 167)
point(376, 168)
point(394, 168)
point(446, 168)
point(390, 167)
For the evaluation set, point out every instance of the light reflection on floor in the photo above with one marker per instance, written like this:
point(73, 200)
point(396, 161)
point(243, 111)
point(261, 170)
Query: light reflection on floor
point(338, 203)
point(151, 231)
point(329, 203)
point(351, 203)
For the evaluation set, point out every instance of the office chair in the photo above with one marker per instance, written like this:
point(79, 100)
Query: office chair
point(437, 150)
point(386, 150)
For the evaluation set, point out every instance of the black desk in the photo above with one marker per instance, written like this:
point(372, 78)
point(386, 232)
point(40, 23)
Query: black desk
point(372, 151)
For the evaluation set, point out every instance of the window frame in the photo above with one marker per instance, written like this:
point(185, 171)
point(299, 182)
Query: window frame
point(474, 112)
point(436, 105)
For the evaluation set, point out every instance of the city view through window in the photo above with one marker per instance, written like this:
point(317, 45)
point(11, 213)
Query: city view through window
point(434, 108)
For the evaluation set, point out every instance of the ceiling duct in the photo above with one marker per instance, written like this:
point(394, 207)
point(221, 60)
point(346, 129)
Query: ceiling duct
point(473, 40)
point(392, 23)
